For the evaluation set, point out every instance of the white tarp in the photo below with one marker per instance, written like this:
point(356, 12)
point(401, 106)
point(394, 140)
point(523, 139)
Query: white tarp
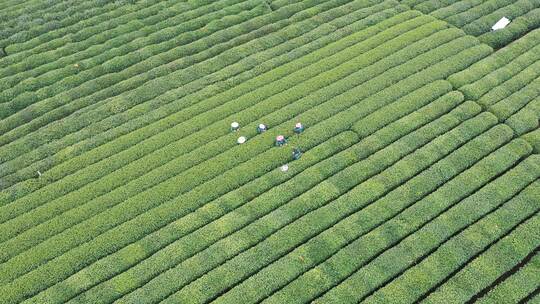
point(502, 23)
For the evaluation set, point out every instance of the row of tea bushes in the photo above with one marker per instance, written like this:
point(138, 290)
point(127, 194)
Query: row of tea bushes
point(277, 233)
point(233, 200)
point(517, 28)
point(163, 107)
point(476, 17)
point(463, 229)
point(437, 63)
point(177, 172)
point(366, 223)
point(515, 286)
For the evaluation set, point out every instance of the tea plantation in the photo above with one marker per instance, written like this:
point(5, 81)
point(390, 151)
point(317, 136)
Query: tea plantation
point(134, 167)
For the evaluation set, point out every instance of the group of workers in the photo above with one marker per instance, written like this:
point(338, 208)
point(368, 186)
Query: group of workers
point(280, 139)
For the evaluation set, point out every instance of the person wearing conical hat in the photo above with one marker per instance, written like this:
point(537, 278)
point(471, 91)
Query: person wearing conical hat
point(261, 128)
point(235, 126)
point(298, 128)
point(280, 140)
point(296, 153)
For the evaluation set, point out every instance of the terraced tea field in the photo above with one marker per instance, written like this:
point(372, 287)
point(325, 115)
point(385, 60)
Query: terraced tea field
point(414, 177)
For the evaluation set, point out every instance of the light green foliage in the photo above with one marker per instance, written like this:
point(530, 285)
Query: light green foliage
point(502, 217)
point(519, 27)
point(533, 138)
point(518, 286)
point(178, 106)
point(476, 17)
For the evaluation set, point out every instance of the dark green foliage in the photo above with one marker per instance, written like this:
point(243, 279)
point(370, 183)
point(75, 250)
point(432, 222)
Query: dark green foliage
point(516, 287)
point(500, 256)
point(177, 100)
point(455, 251)
point(498, 60)
point(476, 17)
point(321, 247)
point(533, 138)
point(518, 28)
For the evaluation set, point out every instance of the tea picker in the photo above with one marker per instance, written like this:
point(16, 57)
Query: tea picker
point(280, 140)
point(298, 128)
point(235, 126)
point(261, 128)
point(296, 153)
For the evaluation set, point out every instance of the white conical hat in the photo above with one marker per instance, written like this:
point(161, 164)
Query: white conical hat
point(285, 168)
point(235, 125)
point(241, 140)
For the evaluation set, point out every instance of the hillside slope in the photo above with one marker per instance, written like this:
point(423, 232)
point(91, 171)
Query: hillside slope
point(122, 181)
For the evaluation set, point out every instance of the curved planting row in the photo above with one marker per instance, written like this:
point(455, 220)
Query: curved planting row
point(32, 33)
point(125, 76)
point(437, 68)
point(172, 102)
point(516, 285)
point(366, 233)
point(246, 102)
point(437, 251)
point(153, 88)
point(516, 29)
point(311, 230)
point(418, 173)
point(129, 32)
point(237, 199)
point(274, 119)
point(85, 44)
point(496, 61)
